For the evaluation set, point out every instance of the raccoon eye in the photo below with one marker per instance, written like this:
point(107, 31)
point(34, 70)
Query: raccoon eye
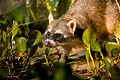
point(58, 37)
point(48, 35)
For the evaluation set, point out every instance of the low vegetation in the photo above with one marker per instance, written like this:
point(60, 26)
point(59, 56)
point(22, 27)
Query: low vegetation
point(24, 57)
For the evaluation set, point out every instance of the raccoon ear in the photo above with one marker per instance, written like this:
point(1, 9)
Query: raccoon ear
point(50, 18)
point(72, 26)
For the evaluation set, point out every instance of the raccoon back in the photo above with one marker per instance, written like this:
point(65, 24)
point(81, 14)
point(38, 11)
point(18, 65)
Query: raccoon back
point(100, 15)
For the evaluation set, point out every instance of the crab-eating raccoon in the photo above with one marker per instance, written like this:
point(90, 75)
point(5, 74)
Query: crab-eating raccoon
point(99, 15)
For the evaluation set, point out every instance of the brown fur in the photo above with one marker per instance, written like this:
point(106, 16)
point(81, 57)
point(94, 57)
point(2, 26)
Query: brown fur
point(102, 15)
point(99, 15)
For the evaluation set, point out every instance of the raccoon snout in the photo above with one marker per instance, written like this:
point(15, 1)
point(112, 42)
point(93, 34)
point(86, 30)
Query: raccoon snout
point(49, 43)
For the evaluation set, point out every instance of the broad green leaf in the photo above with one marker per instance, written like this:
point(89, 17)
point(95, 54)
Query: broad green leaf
point(18, 14)
point(35, 38)
point(96, 46)
point(115, 52)
point(88, 37)
point(15, 29)
point(21, 44)
point(107, 63)
point(87, 54)
point(38, 37)
point(117, 30)
point(109, 46)
point(4, 36)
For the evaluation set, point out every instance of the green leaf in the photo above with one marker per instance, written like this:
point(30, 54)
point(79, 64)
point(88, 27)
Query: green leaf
point(15, 29)
point(2, 21)
point(115, 52)
point(87, 54)
point(89, 37)
point(62, 72)
point(38, 37)
point(107, 63)
point(18, 14)
point(109, 46)
point(96, 46)
point(4, 36)
point(21, 44)
point(34, 38)
point(117, 30)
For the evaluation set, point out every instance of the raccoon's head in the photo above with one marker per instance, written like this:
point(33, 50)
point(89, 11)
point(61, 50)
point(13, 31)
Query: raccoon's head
point(58, 30)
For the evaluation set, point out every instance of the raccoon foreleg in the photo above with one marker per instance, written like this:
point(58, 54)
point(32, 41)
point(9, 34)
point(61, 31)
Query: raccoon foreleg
point(62, 54)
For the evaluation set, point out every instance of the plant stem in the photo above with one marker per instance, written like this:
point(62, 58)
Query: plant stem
point(92, 58)
point(88, 64)
point(46, 60)
point(101, 55)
